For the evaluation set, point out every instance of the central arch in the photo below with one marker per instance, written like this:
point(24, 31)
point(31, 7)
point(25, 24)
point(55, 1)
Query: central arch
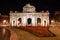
point(38, 21)
point(29, 21)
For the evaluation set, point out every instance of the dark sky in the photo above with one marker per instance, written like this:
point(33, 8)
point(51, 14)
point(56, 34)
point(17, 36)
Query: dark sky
point(7, 5)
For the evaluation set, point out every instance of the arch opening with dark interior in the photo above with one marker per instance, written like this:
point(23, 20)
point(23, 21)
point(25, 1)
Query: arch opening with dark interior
point(19, 20)
point(44, 23)
point(38, 21)
point(29, 21)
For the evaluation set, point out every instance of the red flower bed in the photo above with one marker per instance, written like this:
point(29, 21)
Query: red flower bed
point(37, 30)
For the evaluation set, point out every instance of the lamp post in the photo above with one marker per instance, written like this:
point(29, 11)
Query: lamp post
point(4, 30)
point(53, 22)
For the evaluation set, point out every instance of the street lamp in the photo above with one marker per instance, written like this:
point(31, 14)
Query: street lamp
point(52, 21)
point(4, 21)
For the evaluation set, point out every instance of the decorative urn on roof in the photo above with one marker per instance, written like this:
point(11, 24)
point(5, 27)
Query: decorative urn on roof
point(28, 8)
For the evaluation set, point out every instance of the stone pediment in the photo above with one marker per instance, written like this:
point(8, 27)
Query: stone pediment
point(28, 8)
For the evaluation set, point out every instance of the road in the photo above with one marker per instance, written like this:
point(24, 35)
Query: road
point(4, 34)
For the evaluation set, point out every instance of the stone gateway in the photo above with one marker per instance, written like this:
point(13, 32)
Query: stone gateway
point(29, 17)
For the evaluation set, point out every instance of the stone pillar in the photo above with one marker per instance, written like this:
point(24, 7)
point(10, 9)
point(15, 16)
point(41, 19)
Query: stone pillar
point(33, 21)
point(24, 21)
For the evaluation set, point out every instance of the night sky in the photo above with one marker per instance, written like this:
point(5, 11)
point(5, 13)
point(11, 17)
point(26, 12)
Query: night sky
point(7, 5)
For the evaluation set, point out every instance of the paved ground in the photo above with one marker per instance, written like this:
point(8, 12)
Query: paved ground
point(13, 36)
point(24, 35)
point(7, 34)
point(17, 34)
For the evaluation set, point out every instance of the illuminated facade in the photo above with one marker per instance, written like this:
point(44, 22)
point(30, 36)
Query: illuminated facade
point(29, 17)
